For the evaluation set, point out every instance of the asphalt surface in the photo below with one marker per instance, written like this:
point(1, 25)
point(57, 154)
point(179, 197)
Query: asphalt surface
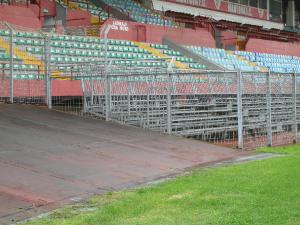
point(48, 158)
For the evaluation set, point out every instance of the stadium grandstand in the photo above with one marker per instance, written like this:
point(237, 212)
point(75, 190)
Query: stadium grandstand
point(235, 35)
point(88, 87)
point(50, 50)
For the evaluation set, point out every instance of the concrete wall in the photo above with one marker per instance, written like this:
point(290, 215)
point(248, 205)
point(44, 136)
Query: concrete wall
point(154, 34)
point(273, 47)
point(228, 39)
point(19, 15)
point(78, 18)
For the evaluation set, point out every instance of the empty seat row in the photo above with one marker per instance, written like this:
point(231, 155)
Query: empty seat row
point(138, 13)
point(274, 63)
point(178, 56)
point(223, 58)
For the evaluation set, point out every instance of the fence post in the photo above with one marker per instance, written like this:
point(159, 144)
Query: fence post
point(129, 97)
point(47, 47)
point(169, 99)
point(295, 125)
point(107, 87)
point(169, 95)
point(269, 109)
point(11, 63)
point(148, 105)
point(240, 110)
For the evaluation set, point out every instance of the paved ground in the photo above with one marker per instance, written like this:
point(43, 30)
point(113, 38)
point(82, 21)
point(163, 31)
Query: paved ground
point(49, 158)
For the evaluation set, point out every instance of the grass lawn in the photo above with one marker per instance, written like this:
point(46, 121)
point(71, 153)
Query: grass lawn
point(257, 192)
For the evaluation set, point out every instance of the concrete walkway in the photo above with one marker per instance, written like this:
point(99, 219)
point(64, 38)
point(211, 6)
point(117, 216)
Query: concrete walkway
point(48, 158)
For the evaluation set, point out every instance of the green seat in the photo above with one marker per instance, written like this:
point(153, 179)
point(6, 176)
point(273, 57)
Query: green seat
point(67, 59)
point(20, 34)
point(4, 32)
point(29, 42)
point(70, 45)
point(110, 48)
point(31, 67)
point(4, 56)
point(84, 53)
point(97, 47)
point(130, 56)
point(115, 48)
point(118, 55)
point(20, 41)
point(126, 49)
point(23, 67)
point(17, 76)
point(109, 55)
point(35, 35)
point(16, 66)
point(73, 59)
point(59, 59)
point(81, 45)
point(38, 50)
point(76, 38)
point(32, 76)
point(112, 42)
point(36, 42)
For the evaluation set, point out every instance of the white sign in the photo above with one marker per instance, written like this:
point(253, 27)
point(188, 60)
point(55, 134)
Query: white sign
point(120, 25)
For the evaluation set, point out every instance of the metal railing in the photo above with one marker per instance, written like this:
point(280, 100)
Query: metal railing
point(231, 108)
point(237, 109)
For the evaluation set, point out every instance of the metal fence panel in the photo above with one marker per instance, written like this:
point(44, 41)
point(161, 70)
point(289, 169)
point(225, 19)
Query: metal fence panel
point(23, 71)
point(282, 108)
point(236, 109)
point(254, 109)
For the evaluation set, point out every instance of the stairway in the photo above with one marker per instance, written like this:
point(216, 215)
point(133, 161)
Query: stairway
point(157, 53)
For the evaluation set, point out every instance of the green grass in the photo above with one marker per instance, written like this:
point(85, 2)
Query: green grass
point(258, 192)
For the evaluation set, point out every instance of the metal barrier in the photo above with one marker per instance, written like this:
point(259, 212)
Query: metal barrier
point(237, 109)
point(244, 110)
point(23, 75)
